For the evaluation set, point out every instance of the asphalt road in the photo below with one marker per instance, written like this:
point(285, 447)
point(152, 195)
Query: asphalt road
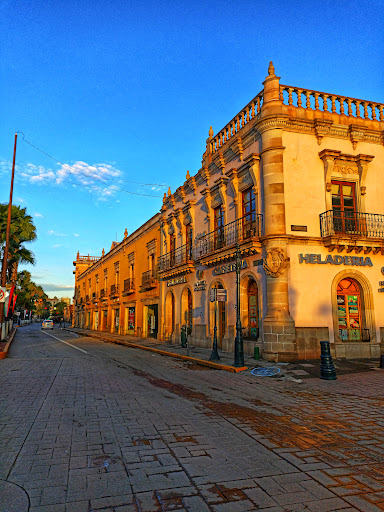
point(90, 426)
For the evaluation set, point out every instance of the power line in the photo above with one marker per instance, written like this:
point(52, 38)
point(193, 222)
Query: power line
point(94, 178)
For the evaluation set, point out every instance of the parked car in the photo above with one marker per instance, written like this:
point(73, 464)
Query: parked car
point(47, 324)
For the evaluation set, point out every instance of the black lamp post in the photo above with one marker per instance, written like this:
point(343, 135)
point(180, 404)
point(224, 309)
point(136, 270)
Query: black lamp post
point(239, 350)
point(215, 355)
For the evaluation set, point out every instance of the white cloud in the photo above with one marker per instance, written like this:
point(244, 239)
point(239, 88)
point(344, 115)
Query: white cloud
point(36, 214)
point(52, 287)
point(57, 245)
point(96, 178)
point(20, 200)
point(76, 234)
point(52, 232)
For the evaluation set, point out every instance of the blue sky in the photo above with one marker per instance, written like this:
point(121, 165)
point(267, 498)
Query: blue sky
point(125, 91)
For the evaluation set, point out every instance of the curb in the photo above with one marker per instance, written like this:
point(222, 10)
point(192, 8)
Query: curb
point(202, 362)
point(4, 353)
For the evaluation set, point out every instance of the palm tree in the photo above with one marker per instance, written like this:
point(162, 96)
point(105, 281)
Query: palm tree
point(22, 230)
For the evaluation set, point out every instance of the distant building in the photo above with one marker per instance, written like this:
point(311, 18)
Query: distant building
point(119, 291)
point(295, 179)
point(67, 300)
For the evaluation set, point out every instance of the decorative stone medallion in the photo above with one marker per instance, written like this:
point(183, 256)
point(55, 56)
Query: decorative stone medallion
point(275, 264)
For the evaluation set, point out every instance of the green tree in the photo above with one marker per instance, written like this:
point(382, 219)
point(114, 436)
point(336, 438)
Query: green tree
point(30, 295)
point(22, 230)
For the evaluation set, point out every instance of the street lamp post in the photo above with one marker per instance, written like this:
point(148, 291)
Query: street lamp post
point(215, 355)
point(239, 350)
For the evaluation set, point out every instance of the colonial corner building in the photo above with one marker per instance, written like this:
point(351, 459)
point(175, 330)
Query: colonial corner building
point(296, 181)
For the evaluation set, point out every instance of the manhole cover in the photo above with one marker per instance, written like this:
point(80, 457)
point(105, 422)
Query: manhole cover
point(265, 372)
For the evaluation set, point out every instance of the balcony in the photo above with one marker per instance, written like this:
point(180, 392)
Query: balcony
point(148, 280)
point(114, 290)
point(351, 224)
point(180, 256)
point(244, 229)
point(129, 286)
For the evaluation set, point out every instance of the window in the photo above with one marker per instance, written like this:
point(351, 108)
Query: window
point(343, 206)
point(349, 310)
point(249, 213)
point(172, 247)
point(219, 227)
point(189, 241)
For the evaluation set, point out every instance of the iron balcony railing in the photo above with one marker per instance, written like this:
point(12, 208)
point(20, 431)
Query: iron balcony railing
point(175, 258)
point(352, 223)
point(247, 227)
point(148, 279)
point(129, 285)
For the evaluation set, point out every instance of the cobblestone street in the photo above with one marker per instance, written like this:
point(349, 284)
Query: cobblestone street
point(116, 429)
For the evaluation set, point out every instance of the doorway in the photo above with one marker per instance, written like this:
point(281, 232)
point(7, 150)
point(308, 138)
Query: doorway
point(152, 321)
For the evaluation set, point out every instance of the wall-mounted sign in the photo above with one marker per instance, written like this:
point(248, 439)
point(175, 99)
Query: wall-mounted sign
point(218, 294)
point(200, 285)
point(294, 227)
point(177, 280)
point(231, 267)
point(257, 263)
point(357, 261)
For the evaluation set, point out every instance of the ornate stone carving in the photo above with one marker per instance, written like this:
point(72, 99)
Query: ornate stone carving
point(346, 169)
point(275, 264)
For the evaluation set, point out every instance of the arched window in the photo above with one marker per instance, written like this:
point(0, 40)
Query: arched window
point(349, 311)
point(253, 313)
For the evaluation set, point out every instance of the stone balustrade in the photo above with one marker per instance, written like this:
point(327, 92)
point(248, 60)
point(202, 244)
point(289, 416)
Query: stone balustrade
point(248, 113)
point(87, 259)
point(334, 103)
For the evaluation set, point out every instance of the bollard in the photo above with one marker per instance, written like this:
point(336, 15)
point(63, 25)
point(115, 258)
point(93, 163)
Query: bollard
point(256, 353)
point(381, 361)
point(327, 369)
point(183, 336)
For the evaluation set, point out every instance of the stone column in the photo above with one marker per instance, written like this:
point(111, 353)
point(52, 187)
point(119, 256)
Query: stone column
point(278, 325)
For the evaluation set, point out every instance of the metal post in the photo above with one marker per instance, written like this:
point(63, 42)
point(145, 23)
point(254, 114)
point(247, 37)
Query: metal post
point(6, 248)
point(239, 350)
point(215, 355)
point(327, 368)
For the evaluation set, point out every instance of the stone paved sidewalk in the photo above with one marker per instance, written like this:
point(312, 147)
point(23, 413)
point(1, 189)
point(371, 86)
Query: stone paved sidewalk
point(286, 371)
point(115, 429)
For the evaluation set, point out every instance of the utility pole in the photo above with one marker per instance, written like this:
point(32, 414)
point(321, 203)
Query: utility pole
point(5, 255)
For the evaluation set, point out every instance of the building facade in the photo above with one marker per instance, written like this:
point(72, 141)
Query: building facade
point(294, 181)
point(119, 291)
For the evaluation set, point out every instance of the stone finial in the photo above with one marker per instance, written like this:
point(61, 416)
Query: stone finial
point(271, 68)
point(165, 197)
point(102, 252)
point(125, 233)
point(187, 176)
point(210, 133)
point(169, 191)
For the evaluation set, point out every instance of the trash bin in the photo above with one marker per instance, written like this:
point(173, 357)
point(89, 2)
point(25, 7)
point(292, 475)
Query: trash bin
point(256, 353)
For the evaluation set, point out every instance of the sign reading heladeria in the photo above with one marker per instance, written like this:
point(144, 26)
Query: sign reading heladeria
point(354, 261)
